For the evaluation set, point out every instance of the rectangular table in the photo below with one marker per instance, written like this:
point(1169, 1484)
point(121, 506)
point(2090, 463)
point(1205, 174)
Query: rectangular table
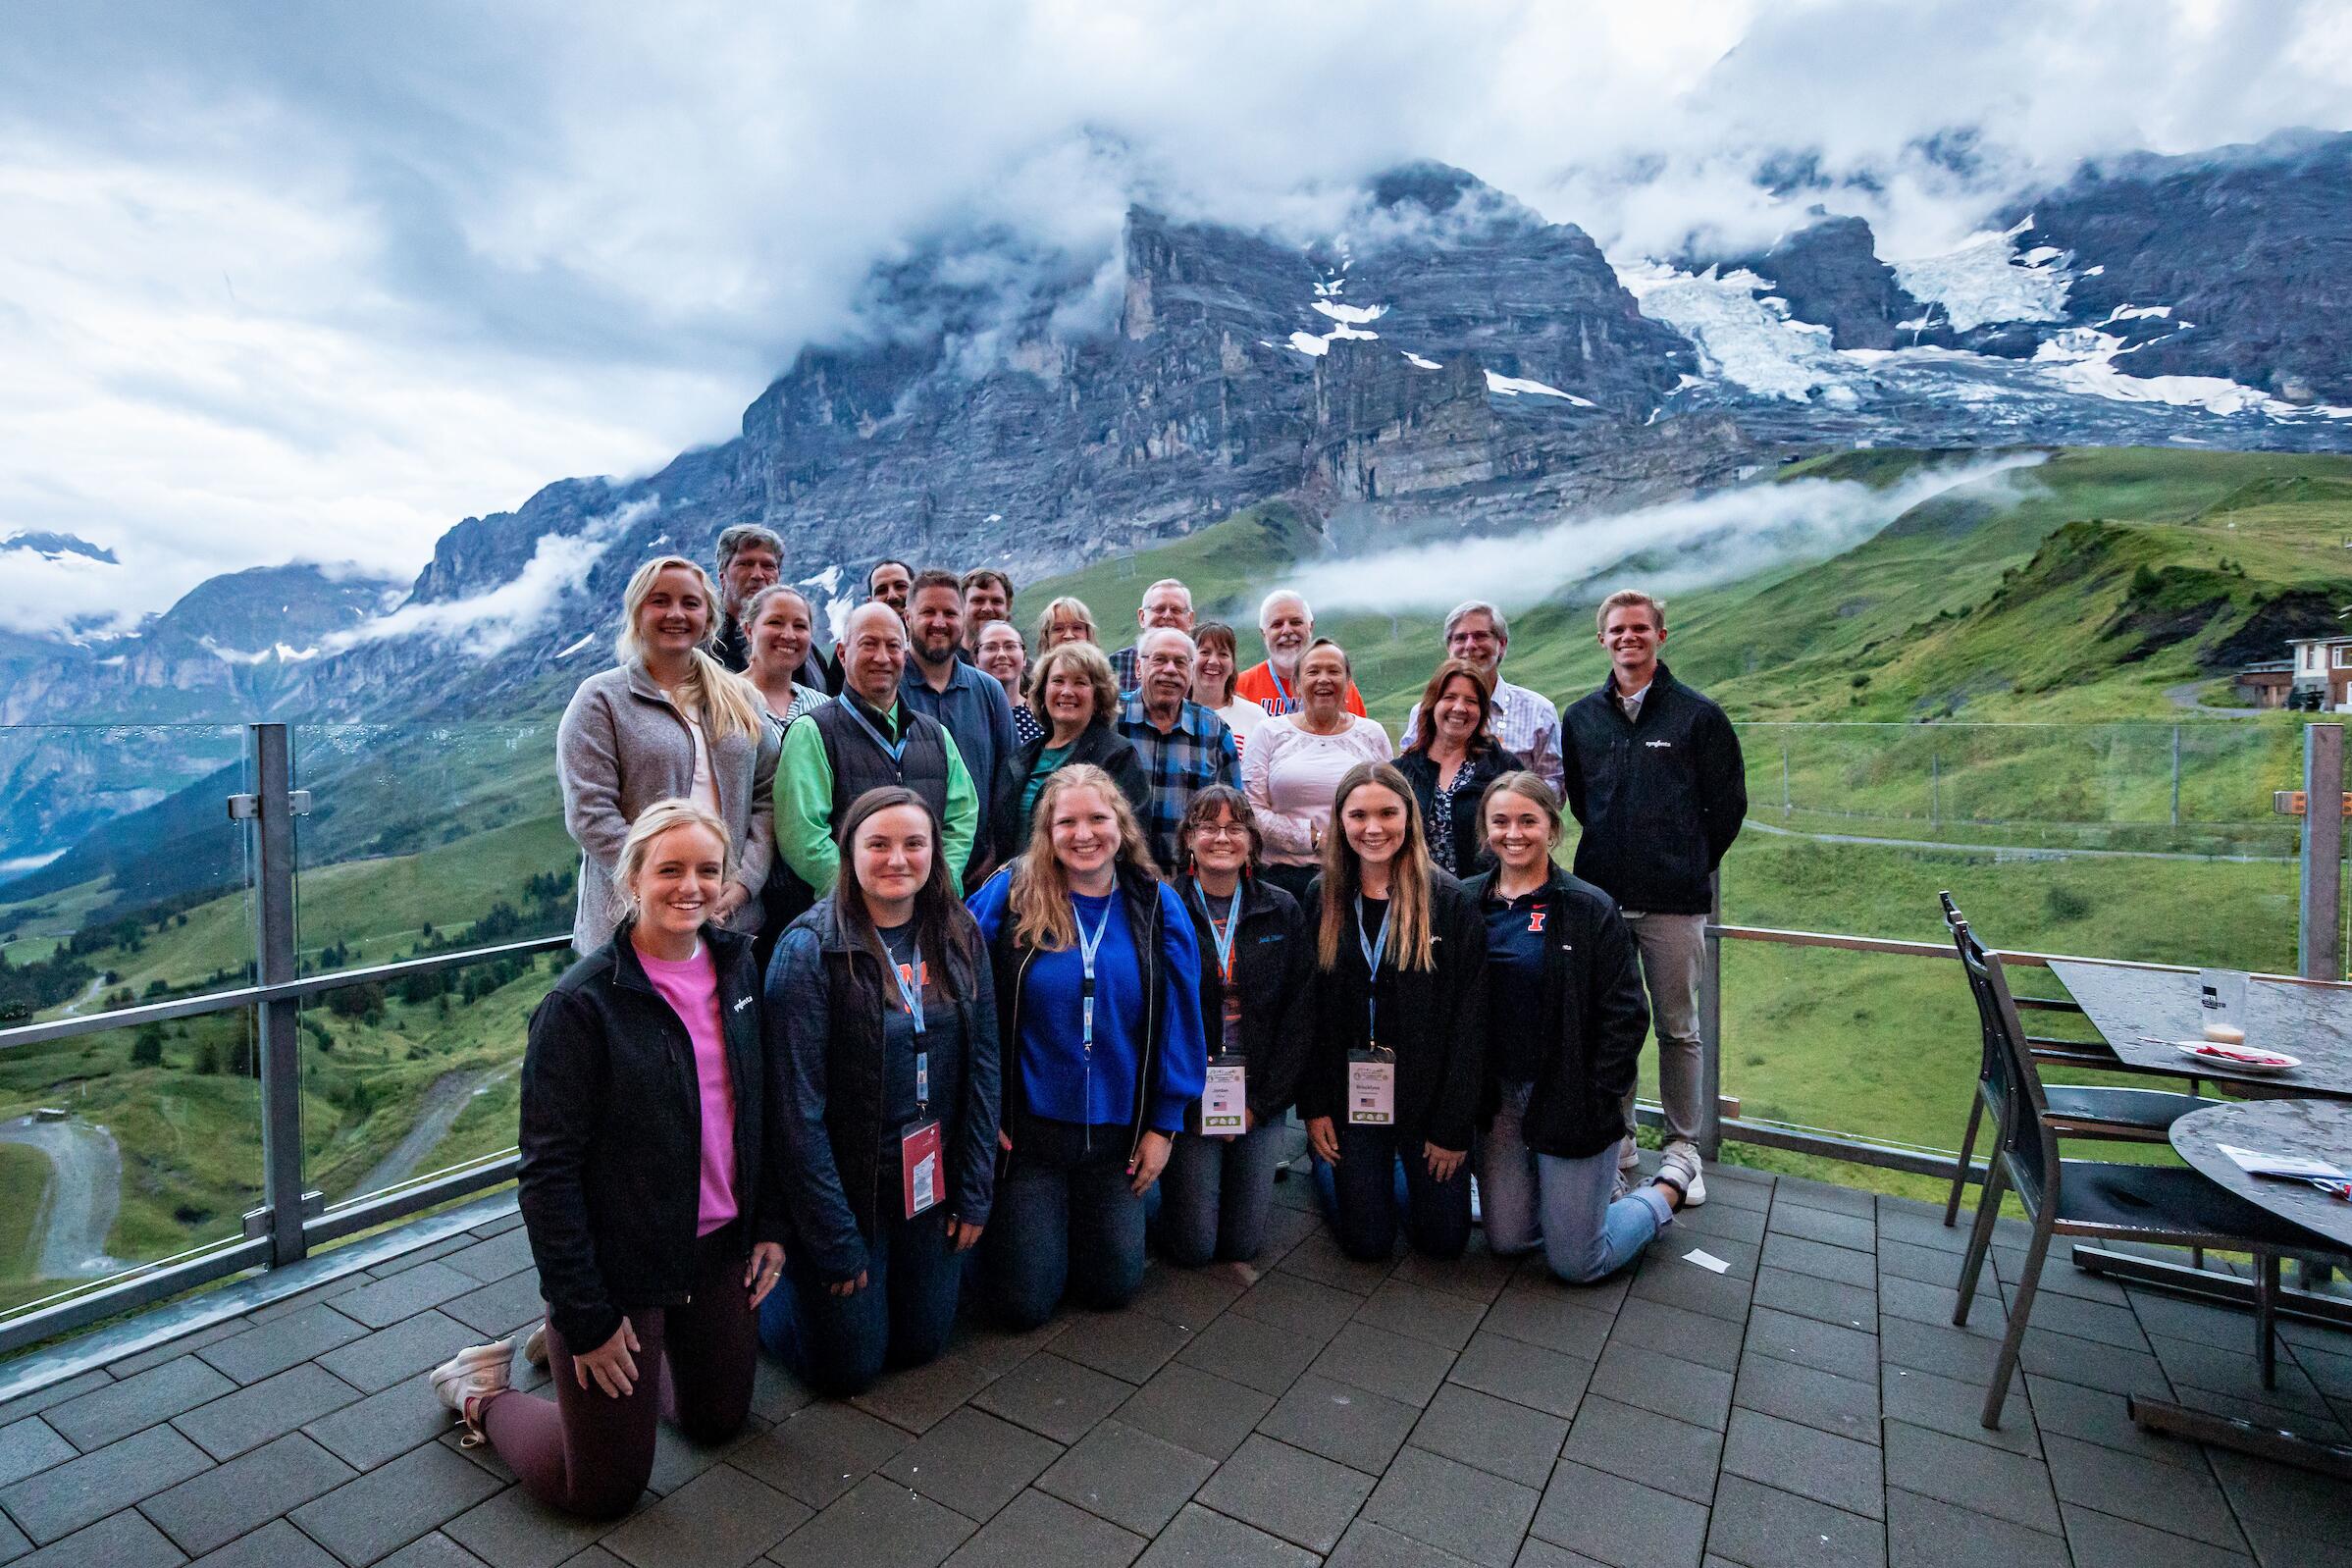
point(2307, 1018)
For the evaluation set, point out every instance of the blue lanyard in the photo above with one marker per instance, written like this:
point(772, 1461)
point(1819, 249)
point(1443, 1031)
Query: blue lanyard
point(1373, 947)
point(1088, 948)
point(896, 751)
point(1285, 702)
point(1221, 932)
point(909, 977)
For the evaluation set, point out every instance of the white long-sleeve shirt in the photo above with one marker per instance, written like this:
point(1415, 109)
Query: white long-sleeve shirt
point(1290, 775)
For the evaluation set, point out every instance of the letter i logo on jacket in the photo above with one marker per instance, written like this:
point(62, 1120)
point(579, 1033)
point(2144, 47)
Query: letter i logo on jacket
point(1535, 920)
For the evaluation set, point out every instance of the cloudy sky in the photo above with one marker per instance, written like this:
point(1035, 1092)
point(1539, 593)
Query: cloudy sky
point(314, 282)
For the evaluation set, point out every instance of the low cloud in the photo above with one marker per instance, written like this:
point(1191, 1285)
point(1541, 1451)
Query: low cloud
point(1670, 548)
point(490, 623)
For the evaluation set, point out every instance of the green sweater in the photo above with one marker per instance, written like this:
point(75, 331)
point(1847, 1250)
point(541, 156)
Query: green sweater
point(803, 798)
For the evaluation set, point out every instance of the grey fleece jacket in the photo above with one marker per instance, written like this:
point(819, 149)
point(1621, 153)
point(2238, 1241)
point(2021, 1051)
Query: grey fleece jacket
point(621, 747)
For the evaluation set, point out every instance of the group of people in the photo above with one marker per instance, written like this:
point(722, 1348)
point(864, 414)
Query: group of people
point(930, 968)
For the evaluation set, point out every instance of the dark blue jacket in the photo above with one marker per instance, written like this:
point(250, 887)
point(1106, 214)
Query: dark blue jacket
point(978, 718)
point(824, 1021)
point(1661, 798)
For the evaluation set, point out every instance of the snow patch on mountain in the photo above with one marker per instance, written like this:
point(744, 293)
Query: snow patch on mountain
point(1513, 386)
point(1743, 333)
point(1984, 280)
point(2082, 360)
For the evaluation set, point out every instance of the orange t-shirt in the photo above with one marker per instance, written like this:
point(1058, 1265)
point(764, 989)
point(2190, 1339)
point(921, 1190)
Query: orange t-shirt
point(1257, 684)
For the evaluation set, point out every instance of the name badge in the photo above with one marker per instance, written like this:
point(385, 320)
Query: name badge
point(1224, 1102)
point(918, 1166)
point(1371, 1088)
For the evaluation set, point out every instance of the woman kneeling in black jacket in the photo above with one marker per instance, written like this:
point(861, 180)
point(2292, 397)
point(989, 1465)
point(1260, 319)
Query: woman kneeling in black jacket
point(648, 1186)
point(1564, 1039)
point(1400, 1024)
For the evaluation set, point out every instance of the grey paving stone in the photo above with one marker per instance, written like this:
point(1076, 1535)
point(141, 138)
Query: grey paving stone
point(1300, 1496)
point(2093, 1415)
point(512, 1531)
point(2166, 1497)
point(1804, 1295)
point(270, 1408)
point(275, 1545)
point(137, 1403)
point(1419, 1312)
point(1319, 1258)
point(1729, 1187)
point(918, 1398)
point(1920, 1302)
point(775, 1392)
point(1927, 1533)
point(973, 1462)
point(877, 1524)
point(510, 1220)
point(1972, 1476)
point(1202, 1538)
point(1937, 1347)
point(1195, 1410)
point(1810, 1342)
point(1054, 1398)
point(1666, 1384)
point(1620, 1521)
point(2103, 1540)
point(1665, 1276)
point(1190, 1297)
point(1691, 1335)
point(1808, 1396)
point(1805, 1192)
point(2191, 1365)
point(1246, 1351)
point(1907, 1260)
point(1370, 1546)
point(1548, 1315)
point(1492, 1435)
point(1127, 1475)
point(410, 1346)
point(1671, 1252)
point(2088, 1362)
point(404, 1295)
point(1644, 1446)
point(1448, 1504)
point(499, 1308)
point(437, 1550)
point(1951, 1407)
point(1540, 1553)
point(495, 1258)
point(387, 1508)
point(1722, 1220)
point(1760, 1527)
point(125, 1541)
point(1524, 1374)
point(384, 1425)
point(1925, 1230)
point(177, 1346)
point(2177, 1318)
point(417, 1256)
point(57, 1503)
point(1385, 1363)
point(1857, 1232)
point(1362, 1431)
point(720, 1519)
point(820, 1452)
point(1129, 1346)
point(1036, 1530)
point(1806, 1460)
point(1478, 1275)
point(2101, 1321)
point(214, 1508)
point(677, 1459)
point(1820, 1260)
point(2060, 1277)
point(1297, 1305)
point(13, 1544)
point(28, 1447)
point(56, 1393)
point(2291, 1516)
point(269, 1349)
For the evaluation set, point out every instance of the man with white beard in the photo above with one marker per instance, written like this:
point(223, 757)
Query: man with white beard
point(1287, 627)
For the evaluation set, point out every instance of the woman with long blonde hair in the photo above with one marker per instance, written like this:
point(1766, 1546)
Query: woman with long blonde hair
point(1400, 1024)
point(1098, 1011)
point(668, 721)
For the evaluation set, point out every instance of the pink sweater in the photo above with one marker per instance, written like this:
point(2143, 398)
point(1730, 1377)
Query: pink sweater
point(691, 988)
point(1290, 775)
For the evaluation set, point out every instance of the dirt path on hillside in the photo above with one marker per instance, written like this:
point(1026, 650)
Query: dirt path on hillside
point(444, 1102)
point(85, 1188)
point(2017, 852)
point(2186, 695)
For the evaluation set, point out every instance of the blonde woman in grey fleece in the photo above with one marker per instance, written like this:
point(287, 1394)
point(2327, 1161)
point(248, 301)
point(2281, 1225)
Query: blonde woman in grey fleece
point(668, 721)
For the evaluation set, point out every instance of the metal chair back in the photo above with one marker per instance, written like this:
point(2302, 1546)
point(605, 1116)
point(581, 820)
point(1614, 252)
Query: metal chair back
point(2028, 1148)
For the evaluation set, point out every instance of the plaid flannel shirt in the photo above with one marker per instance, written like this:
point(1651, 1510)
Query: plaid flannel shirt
point(1197, 752)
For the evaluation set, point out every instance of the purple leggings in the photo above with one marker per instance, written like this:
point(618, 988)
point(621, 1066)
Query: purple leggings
point(587, 1454)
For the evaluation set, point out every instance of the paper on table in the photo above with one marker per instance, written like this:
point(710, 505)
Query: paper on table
point(1706, 1260)
point(2255, 1162)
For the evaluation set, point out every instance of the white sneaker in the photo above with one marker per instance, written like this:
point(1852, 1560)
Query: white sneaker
point(1695, 1188)
point(535, 1348)
point(470, 1377)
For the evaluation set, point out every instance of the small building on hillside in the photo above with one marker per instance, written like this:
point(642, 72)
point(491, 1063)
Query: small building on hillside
point(2267, 684)
point(2322, 673)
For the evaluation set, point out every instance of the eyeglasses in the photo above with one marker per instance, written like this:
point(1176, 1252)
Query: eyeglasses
point(1208, 830)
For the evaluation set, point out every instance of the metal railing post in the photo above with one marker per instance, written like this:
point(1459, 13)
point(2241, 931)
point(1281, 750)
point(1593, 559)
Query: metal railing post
point(271, 809)
point(1710, 1030)
point(2320, 948)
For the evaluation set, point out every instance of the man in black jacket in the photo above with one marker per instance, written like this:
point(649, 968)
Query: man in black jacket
point(1657, 782)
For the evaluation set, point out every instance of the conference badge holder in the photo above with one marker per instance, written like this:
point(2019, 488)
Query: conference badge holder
point(1372, 1087)
point(918, 1147)
point(1224, 1102)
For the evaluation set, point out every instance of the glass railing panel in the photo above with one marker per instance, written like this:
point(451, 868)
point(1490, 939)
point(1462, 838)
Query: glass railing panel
point(125, 1147)
point(121, 875)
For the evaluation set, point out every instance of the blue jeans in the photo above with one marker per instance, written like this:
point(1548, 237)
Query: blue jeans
point(838, 1345)
point(1065, 1221)
point(1527, 1197)
point(1364, 1204)
point(1215, 1195)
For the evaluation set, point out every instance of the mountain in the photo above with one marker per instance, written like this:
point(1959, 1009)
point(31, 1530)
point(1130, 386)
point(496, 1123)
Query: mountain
point(53, 545)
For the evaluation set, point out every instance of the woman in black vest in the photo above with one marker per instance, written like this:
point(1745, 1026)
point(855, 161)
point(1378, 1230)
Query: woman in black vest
point(881, 1018)
point(1400, 1024)
point(1257, 971)
point(1452, 759)
point(648, 1185)
point(1077, 698)
point(1564, 1041)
